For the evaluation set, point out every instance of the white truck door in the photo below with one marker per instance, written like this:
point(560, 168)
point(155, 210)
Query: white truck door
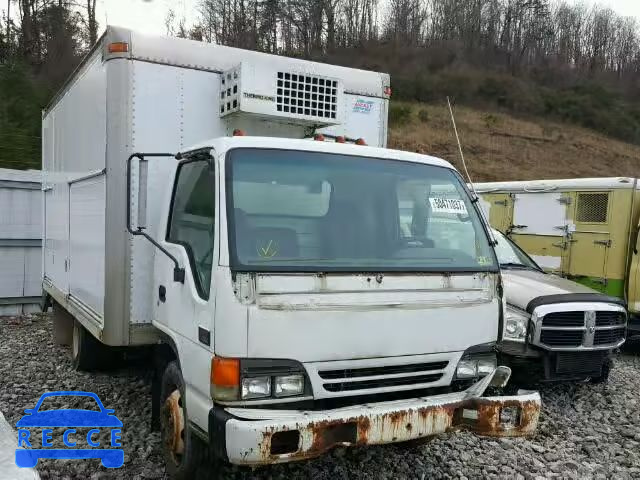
point(187, 308)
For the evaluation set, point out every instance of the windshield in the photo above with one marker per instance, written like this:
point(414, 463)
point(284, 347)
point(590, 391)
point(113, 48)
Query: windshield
point(510, 255)
point(311, 211)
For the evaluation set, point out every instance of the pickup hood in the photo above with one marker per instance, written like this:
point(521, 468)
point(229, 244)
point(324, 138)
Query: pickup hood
point(522, 286)
point(316, 317)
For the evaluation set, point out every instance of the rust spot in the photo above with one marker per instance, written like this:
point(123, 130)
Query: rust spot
point(174, 423)
point(396, 418)
point(407, 424)
point(488, 422)
point(364, 425)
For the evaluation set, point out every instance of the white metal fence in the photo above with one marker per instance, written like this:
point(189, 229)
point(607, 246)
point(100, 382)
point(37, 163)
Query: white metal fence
point(20, 241)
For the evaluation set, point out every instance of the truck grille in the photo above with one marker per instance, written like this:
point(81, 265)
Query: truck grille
point(562, 338)
point(581, 330)
point(397, 375)
point(563, 319)
point(607, 337)
point(609, 319)
point(579, 363)
point(390, 370)
point(381, 383)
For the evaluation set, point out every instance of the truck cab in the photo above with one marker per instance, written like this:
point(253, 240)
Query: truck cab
point(315, 309)
point(300, 289)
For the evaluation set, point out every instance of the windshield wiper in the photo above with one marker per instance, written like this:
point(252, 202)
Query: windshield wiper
point(517, 266)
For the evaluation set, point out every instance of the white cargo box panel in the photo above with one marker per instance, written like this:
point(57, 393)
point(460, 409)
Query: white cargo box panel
point(20, 241)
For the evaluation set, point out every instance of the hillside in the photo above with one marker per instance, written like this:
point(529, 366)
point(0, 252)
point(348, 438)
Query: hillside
point(498, 146)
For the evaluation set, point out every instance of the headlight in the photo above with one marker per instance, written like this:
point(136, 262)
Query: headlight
point(256, 387)
point(474, 367)
point(487, 365)
point(515, 325)
point(467, 369)
point(289, 385)
point(263, 380)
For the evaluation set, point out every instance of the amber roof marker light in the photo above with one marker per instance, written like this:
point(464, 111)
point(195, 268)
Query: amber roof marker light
point(118, 47)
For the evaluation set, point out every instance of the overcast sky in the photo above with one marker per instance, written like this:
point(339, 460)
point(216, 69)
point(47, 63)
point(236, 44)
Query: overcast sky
point(149, 15)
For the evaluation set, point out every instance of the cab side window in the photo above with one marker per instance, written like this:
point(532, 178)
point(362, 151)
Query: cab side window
point(192, 219)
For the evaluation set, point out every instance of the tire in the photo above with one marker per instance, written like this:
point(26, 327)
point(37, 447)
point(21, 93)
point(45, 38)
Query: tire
point(183, 451)
point(606, 370)
point(87, 353)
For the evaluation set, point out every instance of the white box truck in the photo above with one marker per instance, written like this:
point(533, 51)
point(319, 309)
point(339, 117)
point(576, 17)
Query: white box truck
point(299, 294)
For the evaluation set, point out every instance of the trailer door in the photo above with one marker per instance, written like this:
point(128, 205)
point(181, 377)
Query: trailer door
point(591, 241)
point(540, 227)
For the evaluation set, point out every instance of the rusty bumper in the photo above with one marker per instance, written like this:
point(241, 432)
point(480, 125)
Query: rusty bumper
point(257, 436)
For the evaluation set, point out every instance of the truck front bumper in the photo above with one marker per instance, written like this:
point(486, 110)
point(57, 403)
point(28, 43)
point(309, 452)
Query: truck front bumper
point(251, 436)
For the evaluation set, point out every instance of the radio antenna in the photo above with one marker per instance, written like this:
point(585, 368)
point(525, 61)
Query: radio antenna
point(464, 163)
point(476, 198)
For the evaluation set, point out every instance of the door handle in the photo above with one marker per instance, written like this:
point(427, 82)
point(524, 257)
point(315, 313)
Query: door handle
point(162, 293)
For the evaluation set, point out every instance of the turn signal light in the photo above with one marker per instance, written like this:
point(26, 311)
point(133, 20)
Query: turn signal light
point(360, 141)
point(225, 378)
point(118, 47)
point(238, 133)
point(318, 137)
point(225, 372)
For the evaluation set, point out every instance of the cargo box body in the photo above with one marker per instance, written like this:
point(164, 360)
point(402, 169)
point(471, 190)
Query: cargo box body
point(156, 94)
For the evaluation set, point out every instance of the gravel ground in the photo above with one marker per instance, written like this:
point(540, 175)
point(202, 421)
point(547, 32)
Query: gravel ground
point(586, 431)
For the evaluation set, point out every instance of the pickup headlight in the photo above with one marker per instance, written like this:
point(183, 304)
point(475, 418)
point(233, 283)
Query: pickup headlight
point(476, 366)
point(515, 325)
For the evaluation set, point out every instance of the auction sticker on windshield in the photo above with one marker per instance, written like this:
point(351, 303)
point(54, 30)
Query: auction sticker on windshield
point(447, 205)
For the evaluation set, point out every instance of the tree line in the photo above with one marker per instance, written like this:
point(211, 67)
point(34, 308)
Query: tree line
point(517, 33)
point(41, 42)
point(576, 62)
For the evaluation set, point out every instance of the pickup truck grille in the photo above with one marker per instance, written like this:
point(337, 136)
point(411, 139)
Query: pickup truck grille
point(368, 378)
point(563, 319)
point(562, 338)
point(609, 319)
point(606, 337)
point(581, 330)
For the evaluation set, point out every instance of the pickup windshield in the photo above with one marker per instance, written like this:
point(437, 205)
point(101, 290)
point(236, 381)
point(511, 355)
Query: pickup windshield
point(510, 255)
point(310, 211)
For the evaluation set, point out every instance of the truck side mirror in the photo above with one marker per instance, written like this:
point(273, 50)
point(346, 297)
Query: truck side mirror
point(178, 271)
point(143, 172)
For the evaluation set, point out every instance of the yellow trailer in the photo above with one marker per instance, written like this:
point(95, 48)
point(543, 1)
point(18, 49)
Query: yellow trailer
point(583, 229)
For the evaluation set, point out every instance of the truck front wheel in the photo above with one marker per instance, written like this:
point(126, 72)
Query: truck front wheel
point(182, 450)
